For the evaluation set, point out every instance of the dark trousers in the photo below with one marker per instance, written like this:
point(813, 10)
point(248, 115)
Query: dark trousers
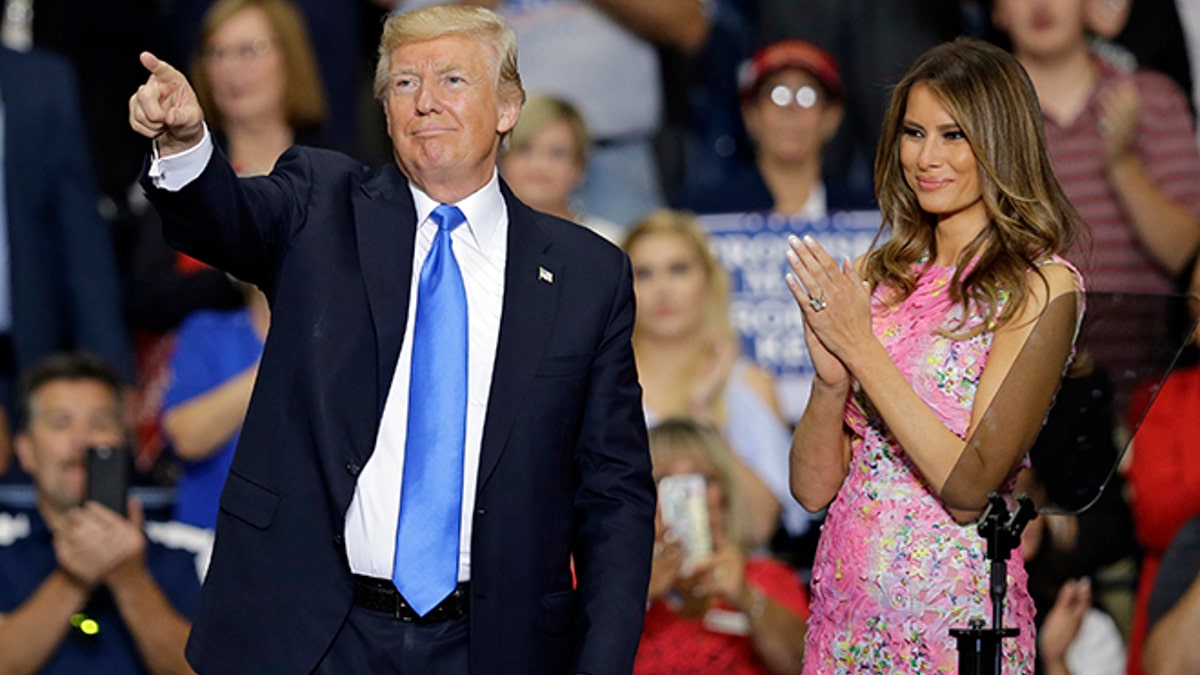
point(376, 642)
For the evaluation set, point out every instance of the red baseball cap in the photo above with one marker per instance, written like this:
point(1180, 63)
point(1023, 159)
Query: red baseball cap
point(790, 54)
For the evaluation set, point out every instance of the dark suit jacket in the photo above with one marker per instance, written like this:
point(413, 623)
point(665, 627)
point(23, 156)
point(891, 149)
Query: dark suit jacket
point(65, 289)
point(564, 472)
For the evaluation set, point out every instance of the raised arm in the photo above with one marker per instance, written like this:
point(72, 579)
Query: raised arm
point(820, 454)
point(95, 546)
point(1148, 177)
point(240, 226)
point(158, 630)
point(682, 24)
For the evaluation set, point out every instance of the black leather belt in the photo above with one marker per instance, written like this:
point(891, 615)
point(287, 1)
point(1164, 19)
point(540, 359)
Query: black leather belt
point(381, 595)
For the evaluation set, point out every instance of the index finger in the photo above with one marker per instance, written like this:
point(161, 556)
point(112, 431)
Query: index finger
point(159, 68)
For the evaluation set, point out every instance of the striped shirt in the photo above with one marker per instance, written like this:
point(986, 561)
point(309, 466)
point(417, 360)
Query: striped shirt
point(1166, 145)
point(1128, 334)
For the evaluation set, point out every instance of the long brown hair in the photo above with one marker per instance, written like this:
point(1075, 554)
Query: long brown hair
point(304, 94)
point(991, 98)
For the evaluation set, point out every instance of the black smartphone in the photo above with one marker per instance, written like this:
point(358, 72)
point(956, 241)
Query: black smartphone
point(108, 472)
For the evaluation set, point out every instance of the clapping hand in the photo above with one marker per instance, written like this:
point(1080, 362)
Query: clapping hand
point(1064, 619)
point(711, 377)
point(1120, 110)
point(723, 573)
point(667, 562)
point(93, 542)
point(835, 304)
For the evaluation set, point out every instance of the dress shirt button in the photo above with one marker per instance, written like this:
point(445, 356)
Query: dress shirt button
point(353, 468)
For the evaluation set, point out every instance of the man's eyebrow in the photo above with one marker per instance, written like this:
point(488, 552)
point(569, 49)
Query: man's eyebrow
point(439, 68)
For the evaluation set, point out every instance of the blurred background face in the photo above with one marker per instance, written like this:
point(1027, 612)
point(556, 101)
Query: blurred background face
point(671, 285)
point(790, 117)
point(67, 417)
point(246, 69)
point(1042, 28)
point(546, 170)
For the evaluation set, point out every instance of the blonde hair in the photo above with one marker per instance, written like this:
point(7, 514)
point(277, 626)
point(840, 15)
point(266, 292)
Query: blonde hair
point(716, 302)
point(304, 94)
point(438, 21)
point(682, 437)
point(542, 111)
point(991, 98)
point(687, 225)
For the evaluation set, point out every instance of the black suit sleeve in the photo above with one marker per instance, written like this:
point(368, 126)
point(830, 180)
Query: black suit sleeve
point(241, 226)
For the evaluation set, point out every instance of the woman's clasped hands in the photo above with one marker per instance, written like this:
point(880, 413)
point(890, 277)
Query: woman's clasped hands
point(835, 304)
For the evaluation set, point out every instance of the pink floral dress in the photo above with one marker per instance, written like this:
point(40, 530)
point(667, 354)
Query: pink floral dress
point(894, 572)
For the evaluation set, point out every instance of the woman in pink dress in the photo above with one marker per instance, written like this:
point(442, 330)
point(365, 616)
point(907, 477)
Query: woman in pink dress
point(913, 417)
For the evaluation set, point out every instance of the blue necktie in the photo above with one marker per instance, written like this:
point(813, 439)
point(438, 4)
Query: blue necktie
point(425, 568)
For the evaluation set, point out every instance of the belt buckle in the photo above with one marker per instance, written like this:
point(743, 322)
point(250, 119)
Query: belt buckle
point(451, 607)
point(403, 611)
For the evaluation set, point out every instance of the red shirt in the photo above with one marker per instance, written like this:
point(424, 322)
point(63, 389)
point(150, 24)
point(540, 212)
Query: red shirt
point(1165, 478)
point(675, 644)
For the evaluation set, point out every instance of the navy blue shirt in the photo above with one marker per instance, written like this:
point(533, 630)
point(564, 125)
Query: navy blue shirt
point(27, 558)
point(742, 190)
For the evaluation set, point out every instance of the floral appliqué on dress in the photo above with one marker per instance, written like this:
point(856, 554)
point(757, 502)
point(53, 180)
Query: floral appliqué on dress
point(894, 571)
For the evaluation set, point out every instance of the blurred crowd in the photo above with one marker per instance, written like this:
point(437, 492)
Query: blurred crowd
point(644, 117)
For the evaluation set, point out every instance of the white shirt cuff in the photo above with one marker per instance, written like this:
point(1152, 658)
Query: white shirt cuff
point(175, 172)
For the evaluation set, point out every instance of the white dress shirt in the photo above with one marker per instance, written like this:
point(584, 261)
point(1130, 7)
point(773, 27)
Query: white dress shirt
point(481, 249)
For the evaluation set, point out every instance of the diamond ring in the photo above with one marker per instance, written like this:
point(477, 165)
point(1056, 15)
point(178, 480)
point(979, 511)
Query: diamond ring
point(817, 303)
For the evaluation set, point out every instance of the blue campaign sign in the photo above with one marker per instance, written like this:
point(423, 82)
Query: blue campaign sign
point(751, 246)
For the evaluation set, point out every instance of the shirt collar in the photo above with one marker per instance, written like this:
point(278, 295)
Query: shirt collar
point(482, 209)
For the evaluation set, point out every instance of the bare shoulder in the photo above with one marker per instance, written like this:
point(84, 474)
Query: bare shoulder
point(1051, 280)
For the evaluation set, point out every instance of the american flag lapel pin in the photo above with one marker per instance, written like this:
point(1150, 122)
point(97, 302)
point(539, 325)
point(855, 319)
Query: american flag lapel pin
point(545, 275)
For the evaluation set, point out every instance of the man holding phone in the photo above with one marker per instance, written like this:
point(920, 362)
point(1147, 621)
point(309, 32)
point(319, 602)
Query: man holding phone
point(82, 589)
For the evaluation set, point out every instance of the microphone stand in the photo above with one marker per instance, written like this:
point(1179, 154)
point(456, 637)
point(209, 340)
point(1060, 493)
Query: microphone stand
point(979, 650)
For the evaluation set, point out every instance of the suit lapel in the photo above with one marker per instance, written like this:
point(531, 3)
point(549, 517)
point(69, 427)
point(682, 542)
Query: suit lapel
point(385, 227)
point(530, 304)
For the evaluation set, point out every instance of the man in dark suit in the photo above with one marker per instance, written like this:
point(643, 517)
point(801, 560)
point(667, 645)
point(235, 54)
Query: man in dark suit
point(557, 500)
point(60, 288)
